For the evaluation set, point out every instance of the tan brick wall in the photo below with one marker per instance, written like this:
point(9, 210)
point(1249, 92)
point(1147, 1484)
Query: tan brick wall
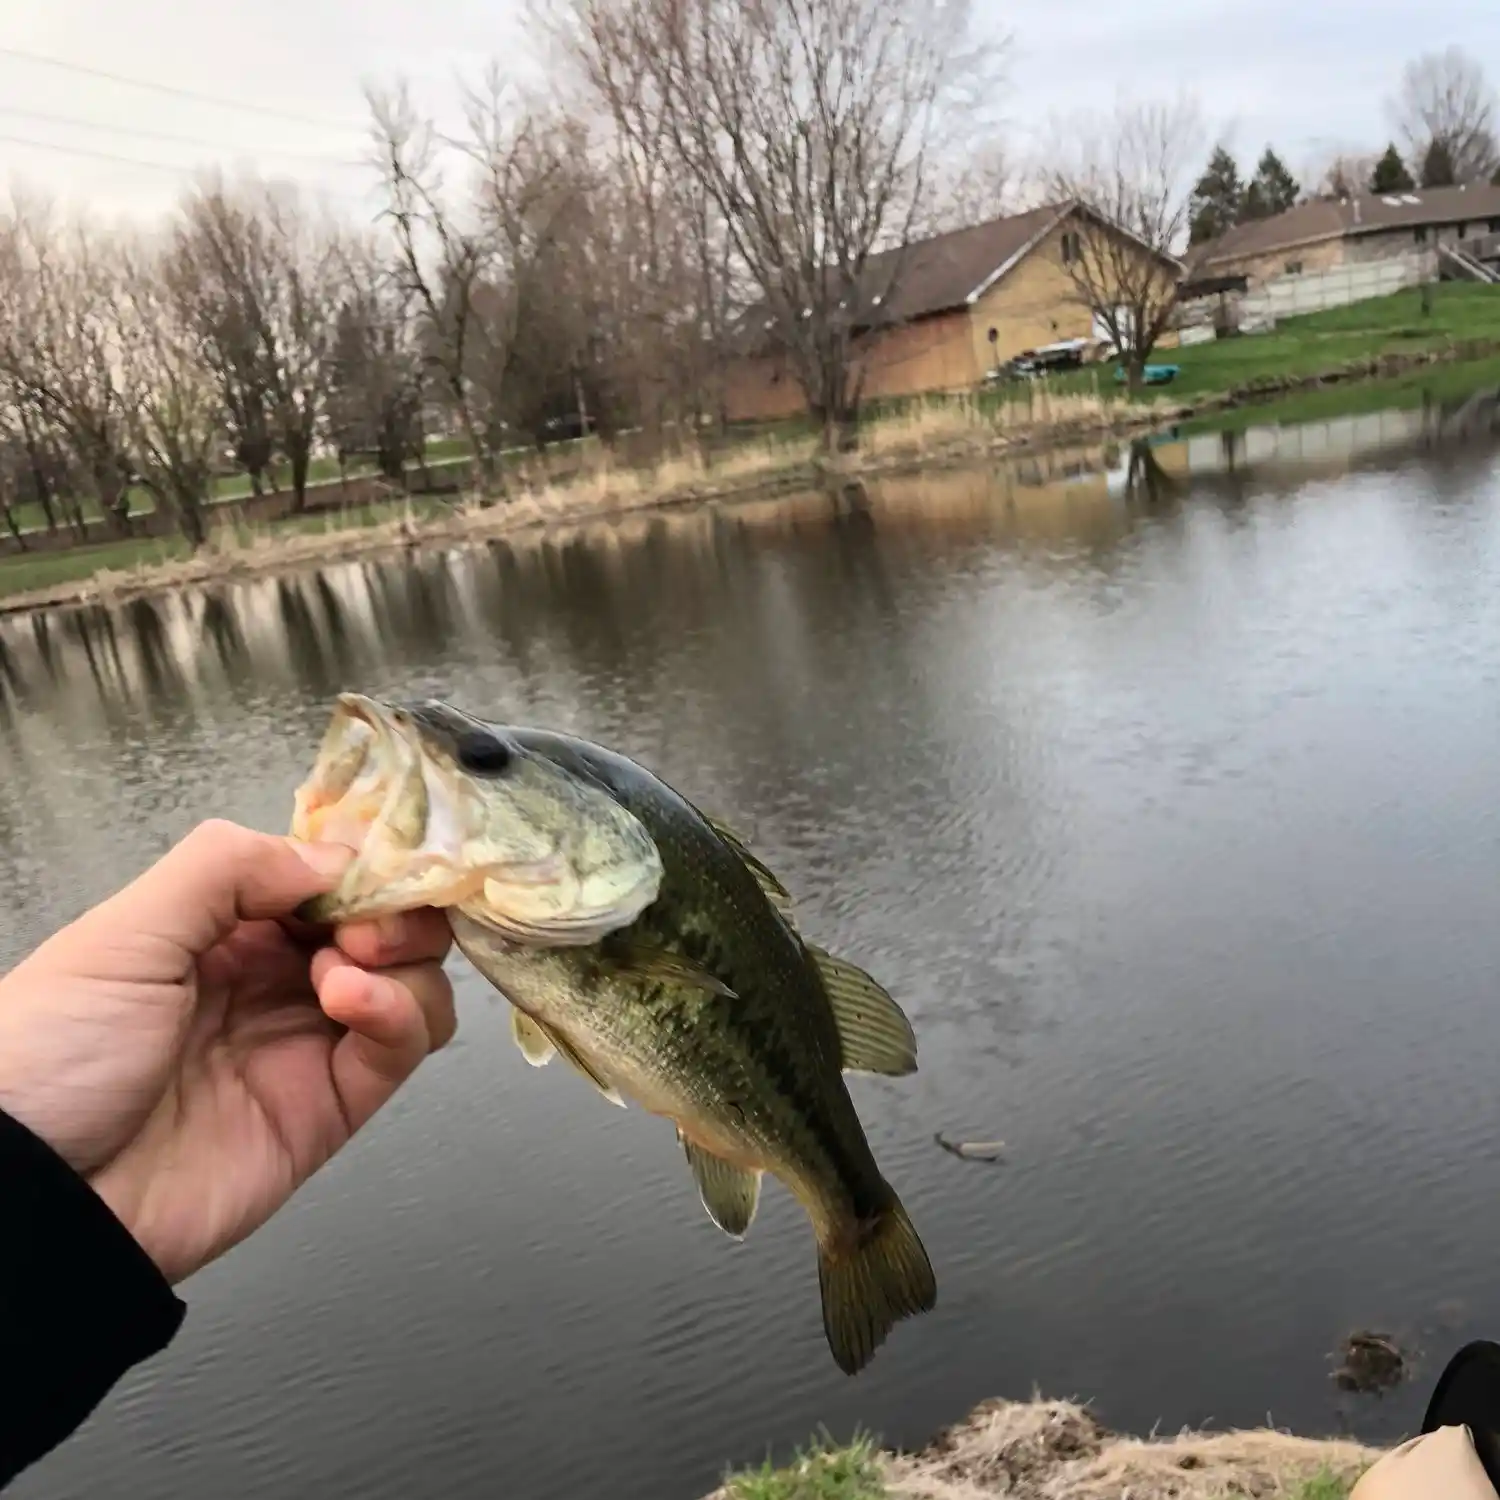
point(1035, 304)
point(933, 354)
point(1321, 256)
point(762, 390)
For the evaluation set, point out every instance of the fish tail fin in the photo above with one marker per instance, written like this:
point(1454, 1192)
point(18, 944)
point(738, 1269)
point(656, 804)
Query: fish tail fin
point(871, 1283)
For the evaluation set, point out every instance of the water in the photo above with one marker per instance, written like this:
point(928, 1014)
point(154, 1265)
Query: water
point(1167, 809)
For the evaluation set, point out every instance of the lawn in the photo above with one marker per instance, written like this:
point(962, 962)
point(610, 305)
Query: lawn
point(237, 486)
point(1308, 345)
point(25, 571)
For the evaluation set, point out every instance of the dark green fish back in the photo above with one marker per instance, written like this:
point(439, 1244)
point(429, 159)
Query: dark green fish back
point(712, 911)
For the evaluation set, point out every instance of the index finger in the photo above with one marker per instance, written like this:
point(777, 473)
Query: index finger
point(411, 937)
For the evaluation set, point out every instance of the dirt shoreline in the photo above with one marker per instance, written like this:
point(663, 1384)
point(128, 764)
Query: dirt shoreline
point(1056, 1450)
point(473, 527)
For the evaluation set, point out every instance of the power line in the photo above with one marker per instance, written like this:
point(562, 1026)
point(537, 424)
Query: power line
point(179, 140)
point(174, 91)
point(138, 161)
point(127, 161)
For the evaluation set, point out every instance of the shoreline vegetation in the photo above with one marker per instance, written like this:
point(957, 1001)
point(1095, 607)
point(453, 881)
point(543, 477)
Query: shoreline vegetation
point(1056, 1450)
point(1350, 359)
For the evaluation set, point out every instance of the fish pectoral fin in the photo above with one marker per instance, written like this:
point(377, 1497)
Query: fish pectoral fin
point(570, 1055)
point(776, 892)
point(643, 961)
point(531, 1037)
point(729, 1193)
point(875, 1035)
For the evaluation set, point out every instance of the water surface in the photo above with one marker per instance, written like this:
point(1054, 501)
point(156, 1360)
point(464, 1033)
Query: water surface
point(1162, 796)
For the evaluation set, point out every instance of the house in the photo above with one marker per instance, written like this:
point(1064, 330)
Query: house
point(962, 304)
point(1461, 223)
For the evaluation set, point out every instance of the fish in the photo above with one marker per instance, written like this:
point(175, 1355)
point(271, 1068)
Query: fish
point(708, 1008)
point(481, 823)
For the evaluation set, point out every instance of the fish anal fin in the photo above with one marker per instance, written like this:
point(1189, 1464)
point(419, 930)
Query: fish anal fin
point(536, 1046)
point(874, 1033)
point(729, 1193)
point(870, 1285)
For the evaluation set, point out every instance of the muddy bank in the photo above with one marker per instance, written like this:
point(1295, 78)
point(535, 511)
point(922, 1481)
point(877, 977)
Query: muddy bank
point(1055, 1450)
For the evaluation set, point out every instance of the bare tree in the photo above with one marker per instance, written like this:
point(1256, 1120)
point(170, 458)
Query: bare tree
point(261, 275)
point(172, 400)
point(57, 353)
point(980, 185)
point(375, 384)
point(811, 126)
point(443, 258)
point(1446, 100)
point(1130, 177)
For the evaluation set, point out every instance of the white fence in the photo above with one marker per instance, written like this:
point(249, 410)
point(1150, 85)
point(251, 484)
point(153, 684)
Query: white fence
point(1308, 292)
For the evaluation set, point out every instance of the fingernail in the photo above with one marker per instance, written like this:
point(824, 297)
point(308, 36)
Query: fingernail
point(328, 860)
point(393, 930)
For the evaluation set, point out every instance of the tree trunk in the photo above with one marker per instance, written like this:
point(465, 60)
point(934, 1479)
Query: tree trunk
point(14, 525)
point(300, 455)
point(190, 518)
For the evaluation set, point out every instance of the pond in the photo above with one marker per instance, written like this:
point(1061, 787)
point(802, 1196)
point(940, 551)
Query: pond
point(1159, 786)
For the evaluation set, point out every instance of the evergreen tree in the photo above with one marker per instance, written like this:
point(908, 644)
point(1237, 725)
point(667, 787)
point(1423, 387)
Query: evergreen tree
point(1216, 199)
point(1272, 190)
point(1390, 175)
point(1437, 165)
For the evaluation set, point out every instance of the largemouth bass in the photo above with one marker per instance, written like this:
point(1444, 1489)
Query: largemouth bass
point(706, 1006)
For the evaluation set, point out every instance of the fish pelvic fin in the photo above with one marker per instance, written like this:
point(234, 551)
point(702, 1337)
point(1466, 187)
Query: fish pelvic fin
point(869, 1285)
point(536, 1046)
point(729, 1193)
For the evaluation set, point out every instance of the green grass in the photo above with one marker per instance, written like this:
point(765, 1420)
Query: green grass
point(1325, 1487)
point(823, 1471)
point(237, 486)
point(1445, 383)
point(1309, 345)
point(25, 571)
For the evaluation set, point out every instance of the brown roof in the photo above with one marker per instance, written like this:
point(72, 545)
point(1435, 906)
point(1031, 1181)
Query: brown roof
point(1367, 213)
point(940, 273)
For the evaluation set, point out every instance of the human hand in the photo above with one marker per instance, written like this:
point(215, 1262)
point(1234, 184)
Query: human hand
point(196, 1057)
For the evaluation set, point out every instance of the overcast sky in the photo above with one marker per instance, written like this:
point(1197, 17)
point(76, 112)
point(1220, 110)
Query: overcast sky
point(1312, 76)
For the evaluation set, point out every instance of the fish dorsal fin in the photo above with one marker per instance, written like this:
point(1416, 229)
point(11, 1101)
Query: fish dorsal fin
point(536, 1046)
point(873, 1029)
point(776, 893)
point(729, 1193)
point(539, 1042)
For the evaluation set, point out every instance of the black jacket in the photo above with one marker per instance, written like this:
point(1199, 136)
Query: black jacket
point(80, 1301)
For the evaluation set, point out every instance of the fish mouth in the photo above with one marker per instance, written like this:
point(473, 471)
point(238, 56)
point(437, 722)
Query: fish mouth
point(427, 833)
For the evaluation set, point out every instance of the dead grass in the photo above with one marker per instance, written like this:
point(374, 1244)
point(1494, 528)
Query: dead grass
point(1055, 1450)
point(926, 426)
point(601, 487)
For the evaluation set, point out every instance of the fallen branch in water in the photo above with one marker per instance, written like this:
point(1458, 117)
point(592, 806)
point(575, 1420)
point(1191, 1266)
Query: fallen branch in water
point(971, 1150)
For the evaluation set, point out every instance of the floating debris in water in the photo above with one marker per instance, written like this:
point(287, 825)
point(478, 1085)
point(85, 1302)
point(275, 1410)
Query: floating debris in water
point(1372, 1363)
point(971, 1150)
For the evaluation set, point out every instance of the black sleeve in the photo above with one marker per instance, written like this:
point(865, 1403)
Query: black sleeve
point(80, 1301)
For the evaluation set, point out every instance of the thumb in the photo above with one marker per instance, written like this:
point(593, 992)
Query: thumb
point(220, 875)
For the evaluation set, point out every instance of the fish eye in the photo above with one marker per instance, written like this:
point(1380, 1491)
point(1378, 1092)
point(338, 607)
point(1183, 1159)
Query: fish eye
point(482, 754)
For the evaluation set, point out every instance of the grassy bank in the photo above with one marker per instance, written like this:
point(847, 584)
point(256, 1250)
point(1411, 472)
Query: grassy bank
point(1302, 347)
point(1369, 356)
point(921, 433)
point(1049, 1450)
